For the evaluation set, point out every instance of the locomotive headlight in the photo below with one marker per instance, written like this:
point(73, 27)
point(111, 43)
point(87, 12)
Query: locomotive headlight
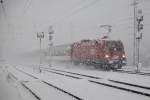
point(106, 56)
point(123, 56)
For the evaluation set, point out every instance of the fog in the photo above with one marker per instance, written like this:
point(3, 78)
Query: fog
point(72, 20)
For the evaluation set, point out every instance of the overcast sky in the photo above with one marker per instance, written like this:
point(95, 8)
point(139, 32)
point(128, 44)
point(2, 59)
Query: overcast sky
point(72, 20)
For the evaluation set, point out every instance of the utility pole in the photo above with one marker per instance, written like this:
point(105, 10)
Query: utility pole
point(40, 35)
point(135, 3)
point(138, 18)
point(50, 32)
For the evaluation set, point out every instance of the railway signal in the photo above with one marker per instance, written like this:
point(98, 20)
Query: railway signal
point(140, 25)
point(40, 35)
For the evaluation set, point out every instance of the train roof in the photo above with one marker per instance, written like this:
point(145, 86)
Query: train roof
point(88, 40)
point(108, 39)
point(96, 40)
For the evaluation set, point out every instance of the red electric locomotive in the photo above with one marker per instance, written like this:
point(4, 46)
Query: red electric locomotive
point(107, 54)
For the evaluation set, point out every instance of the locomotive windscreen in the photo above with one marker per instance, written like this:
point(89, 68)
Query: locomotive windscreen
point(115, 45)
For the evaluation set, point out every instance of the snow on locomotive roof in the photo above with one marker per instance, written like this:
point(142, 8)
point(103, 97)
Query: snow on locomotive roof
point(88, 40)
point(109, 39)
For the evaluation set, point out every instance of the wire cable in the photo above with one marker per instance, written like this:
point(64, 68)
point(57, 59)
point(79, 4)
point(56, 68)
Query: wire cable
point(77, 11)
point(73, 12)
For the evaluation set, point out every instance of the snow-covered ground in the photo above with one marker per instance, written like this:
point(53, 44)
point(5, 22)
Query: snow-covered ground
point(11, 90)
point(130, 78)
point(79, 87)
point(84, 89)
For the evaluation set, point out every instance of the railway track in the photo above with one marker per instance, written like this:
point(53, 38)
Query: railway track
point(128, 87)
point(95, 77)
point(138, 89)
point(10, 75)
point(131, 72)
point(49, 84)
point(34, 94)
point(145, 91)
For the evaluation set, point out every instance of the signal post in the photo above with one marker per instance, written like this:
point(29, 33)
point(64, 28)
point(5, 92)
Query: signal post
point(50, 32)
point(40, 35)
point(139, 20)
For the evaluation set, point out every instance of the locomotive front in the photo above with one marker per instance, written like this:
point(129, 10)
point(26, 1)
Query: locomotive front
point(115, 54)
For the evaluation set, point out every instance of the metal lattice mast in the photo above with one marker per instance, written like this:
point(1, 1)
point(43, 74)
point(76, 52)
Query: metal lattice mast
point(138, 18)
point(50, 32)
point(135, 3)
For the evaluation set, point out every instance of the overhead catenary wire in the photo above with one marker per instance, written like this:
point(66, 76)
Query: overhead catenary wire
point(86, 6)
point(130, 18)
point(72, 12)
point(56, 20)
point(78, 10)
point(77, 5)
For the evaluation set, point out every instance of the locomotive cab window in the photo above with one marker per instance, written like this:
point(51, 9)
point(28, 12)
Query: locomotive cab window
point(114, 45)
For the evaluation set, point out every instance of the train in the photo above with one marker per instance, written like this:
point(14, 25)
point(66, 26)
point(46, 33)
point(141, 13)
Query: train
point(102, 53)
point(107, 54)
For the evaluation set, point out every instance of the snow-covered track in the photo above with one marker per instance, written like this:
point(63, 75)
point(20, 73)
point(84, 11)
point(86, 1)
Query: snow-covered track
point(36, 96)
point(89, 76)
point(121, 88)
point(131, 72)
point(125, 83)
point(26, 73)
point(10, 75)
point(64, 74)
point(51, 85)
point(78, 98)
point(110, 83)
point(96, 77)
